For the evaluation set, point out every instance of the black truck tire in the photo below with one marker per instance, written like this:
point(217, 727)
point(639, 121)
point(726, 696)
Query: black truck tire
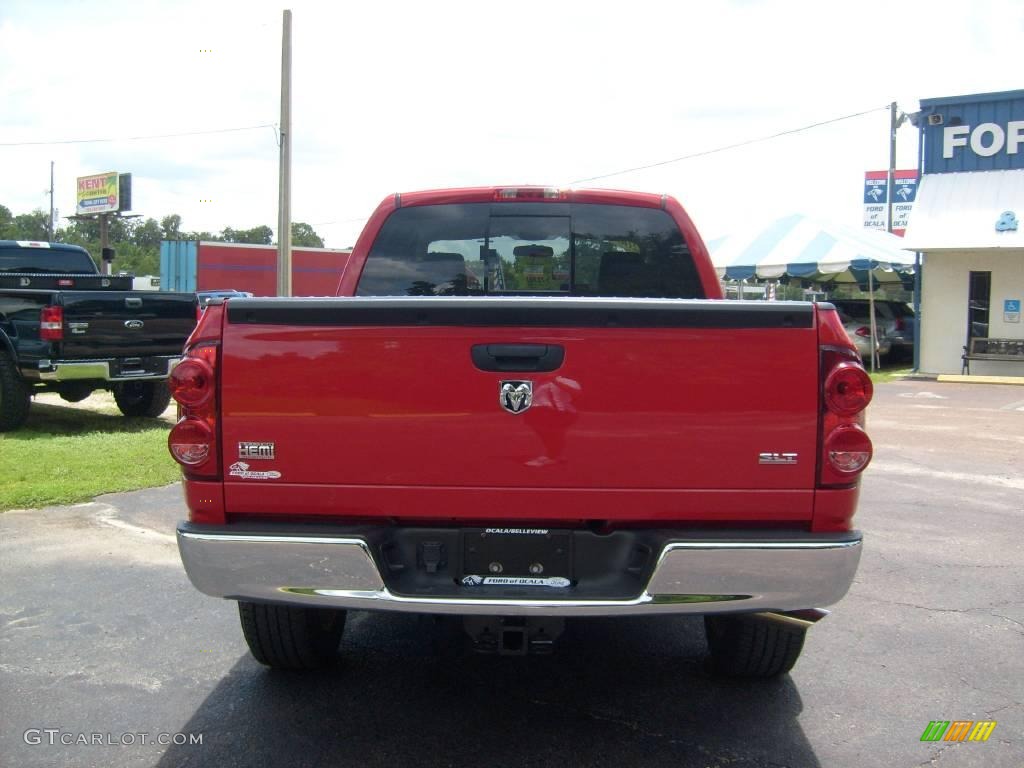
point(142, 398)
point(290, 637)
point(752, 646)
point(15, 396)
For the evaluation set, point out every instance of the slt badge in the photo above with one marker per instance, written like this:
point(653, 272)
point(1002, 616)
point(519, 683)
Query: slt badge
point(515, 396)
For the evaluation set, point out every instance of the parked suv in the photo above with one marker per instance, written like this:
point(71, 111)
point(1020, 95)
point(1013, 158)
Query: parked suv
point(859, 332)
point(895, 321)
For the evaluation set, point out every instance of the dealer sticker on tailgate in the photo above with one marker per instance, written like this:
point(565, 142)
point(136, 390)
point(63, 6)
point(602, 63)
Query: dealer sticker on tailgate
point(241, 469)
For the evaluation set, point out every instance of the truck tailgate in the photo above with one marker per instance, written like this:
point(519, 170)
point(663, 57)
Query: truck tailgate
point(125, 323)
point(660, 410)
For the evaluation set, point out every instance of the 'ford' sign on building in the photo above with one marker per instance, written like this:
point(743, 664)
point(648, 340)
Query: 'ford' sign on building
point(968, 222)
point(973, 133)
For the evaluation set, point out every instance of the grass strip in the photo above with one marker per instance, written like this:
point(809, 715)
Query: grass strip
point(72, 453)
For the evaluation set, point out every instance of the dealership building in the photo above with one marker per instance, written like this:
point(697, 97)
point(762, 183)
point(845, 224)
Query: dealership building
point(968, 224)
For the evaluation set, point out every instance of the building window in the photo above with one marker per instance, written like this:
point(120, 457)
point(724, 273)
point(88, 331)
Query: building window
point(978, 304)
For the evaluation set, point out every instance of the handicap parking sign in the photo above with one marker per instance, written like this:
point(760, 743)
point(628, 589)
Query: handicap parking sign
point(1011, 311)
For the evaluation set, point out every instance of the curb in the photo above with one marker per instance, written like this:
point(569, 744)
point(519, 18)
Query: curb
point(958, 379)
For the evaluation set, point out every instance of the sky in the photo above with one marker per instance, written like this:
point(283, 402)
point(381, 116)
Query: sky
point(400, 96)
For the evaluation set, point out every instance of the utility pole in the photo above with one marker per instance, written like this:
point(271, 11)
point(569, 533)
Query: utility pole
point(284, 214)
point(890, 178)
point(105, 242)
point(49, 226)
point(889, 190)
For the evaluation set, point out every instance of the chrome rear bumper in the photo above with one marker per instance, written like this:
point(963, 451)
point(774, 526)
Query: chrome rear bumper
point(158, 367)
point(700, 576)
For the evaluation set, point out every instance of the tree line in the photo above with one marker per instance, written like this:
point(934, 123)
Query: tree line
point(136, 242)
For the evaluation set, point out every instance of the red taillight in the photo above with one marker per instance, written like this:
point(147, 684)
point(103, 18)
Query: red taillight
point(191, 382)
point(864, 331)
point(848, 389)
point(900, 326)
point(51, 324)
point(191, 442)
point(845, 446)
point(847, 450)
point(205, 351)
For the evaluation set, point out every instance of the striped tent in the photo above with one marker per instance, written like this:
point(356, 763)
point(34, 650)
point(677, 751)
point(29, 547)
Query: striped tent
point(799, 246)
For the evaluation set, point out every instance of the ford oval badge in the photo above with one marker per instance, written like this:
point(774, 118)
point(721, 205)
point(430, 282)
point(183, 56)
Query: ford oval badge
point(133, 325)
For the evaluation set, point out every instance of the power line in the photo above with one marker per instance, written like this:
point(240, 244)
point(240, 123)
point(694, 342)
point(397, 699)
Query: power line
point(746, 143)
point(136, 138)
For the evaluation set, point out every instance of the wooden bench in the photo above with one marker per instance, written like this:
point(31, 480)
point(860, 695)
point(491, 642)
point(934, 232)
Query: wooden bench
point(994, 350)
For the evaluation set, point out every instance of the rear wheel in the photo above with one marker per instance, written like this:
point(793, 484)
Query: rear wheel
point(15, 396)
point(752, 646)
point(290, 637)
point(142, 398)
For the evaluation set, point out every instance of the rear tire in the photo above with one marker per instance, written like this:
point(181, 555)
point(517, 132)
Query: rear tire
point(752, 646)
point(289, 637)
point(142, 398)
point(15, 396)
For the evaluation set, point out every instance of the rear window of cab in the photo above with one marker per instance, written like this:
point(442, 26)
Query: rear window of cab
point(569, 249)
point(46, 260)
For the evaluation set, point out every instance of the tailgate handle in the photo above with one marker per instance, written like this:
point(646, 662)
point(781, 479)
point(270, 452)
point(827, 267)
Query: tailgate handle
point(133, 303)
point(518, 357)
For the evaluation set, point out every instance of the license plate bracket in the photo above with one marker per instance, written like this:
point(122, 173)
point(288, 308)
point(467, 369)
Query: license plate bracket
point(517, 552)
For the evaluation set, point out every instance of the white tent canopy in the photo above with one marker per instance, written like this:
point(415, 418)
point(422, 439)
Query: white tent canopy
point(799, 246)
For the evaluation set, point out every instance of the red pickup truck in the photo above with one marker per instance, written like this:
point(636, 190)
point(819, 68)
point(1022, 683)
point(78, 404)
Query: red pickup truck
point(526, 405)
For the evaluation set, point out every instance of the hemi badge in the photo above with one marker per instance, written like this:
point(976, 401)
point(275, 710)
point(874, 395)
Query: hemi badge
point(777, 458)
point(256, 450)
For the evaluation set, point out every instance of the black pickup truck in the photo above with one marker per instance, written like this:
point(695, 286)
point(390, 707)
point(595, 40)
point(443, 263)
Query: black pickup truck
point(66, 328)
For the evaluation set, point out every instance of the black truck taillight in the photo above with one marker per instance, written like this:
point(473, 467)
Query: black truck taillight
point(193, 440)
point(51, 324)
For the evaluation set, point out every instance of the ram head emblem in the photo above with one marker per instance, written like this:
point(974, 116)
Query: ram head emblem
point(515, 396)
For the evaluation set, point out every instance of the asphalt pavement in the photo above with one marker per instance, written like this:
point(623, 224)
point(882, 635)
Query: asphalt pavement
point(103, 640)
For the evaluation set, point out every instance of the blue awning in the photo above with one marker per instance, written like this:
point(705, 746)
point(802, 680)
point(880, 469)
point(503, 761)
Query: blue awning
point(799, 246)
